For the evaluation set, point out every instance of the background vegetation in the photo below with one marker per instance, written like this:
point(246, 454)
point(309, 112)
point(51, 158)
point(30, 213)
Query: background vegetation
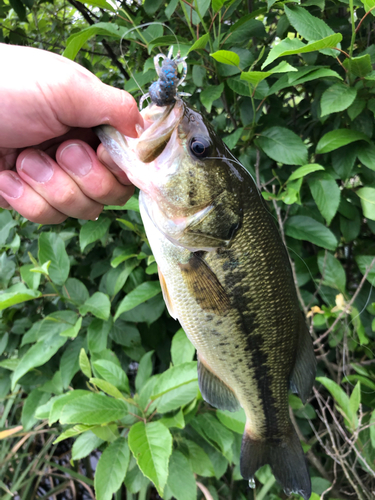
point(94, 374)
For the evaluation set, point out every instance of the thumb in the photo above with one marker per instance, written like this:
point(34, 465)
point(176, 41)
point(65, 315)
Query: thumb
point(110, 105)
point(94, 103)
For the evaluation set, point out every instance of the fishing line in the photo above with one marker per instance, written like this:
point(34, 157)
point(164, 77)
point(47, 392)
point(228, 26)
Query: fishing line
point(136, 28)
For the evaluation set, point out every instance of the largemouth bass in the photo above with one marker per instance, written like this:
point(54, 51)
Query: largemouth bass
point(226, 276)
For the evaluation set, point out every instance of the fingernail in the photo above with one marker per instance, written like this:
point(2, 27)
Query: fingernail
point(36, 165)
point(11, 186)
point(76, 159)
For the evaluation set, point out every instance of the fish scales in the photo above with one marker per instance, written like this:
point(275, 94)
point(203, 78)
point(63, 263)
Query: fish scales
point(226, 276)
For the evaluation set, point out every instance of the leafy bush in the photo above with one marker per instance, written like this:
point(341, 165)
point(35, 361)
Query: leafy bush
point(86, 343)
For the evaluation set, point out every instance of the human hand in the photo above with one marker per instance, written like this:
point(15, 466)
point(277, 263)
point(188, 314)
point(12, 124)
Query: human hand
point(51, 103)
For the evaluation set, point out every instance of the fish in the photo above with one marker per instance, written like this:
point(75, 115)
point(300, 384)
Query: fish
point(225, 275)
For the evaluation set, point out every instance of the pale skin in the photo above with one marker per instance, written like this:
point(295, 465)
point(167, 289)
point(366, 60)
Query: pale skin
point(48, 168)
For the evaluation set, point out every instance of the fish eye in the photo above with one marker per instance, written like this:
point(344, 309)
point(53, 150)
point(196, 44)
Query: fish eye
point(200, 147)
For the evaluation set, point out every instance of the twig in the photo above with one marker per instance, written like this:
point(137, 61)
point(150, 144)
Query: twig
point(348, 306)
point(363, 18)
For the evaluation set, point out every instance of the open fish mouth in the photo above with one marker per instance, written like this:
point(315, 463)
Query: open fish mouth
point(160, 123)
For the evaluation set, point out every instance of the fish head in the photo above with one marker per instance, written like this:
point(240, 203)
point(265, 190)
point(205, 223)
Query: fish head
point(181, 165)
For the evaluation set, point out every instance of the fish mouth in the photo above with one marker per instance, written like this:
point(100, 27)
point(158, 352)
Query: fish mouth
point(160, 122)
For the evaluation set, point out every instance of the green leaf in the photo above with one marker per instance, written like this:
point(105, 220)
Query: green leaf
point(302, 227)
point(93, 231)
point(217, 5)
point(13, 298)
point(106, 387)
point(34, 399)
point(337, 98)
point(364, 262)
point(181, 479)
point(84, 363)
point(93, 408)
point(200, 43)
point(111, 469)
point(77, 40)
point(332, 271)
point(31, 279)
point(355, 398)
point(308, 26)
point(343, 160)
point(112, 373)
point(216, 433)
point(226, 57)
point(255, 77)
point(144, 370)
point(6, 224)
point(38, 354)
point(367, 196)
point(175, 420)
point(366, 154)
point(182, 349)
point(60, 401)
point(75, 291)
point(239, 86)
point(234, 421)
point(143, 292)
point(304, 170)
point(174, 377)
point(326, 194)
point(210, 94)
point(337, 138)
point(100, 3)
point(97, 335)
point(52, 247)
point(283, 145)
point(340, 398)
point(372, 429)
point(288, 47)
point(232, 139)
point(151, 445)
point(200, 463)
point(19, 9)
point(98, 304)
point(85, 444)
point(359, 66)
point(69, 362)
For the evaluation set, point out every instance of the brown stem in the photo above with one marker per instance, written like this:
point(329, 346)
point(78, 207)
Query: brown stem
point(363, 18)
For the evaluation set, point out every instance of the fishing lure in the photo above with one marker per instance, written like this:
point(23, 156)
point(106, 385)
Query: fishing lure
point(164, 90)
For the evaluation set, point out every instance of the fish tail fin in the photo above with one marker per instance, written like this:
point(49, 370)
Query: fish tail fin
point(286, 458)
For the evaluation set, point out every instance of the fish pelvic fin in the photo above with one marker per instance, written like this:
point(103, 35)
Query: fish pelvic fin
point(214, 390)
point(284, 455)
point(304, 371)
point(166, 296)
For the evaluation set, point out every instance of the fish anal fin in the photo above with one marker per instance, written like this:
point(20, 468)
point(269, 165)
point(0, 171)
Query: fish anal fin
point(204, 286)
point(285, 456)
point(213, 389)
point(303, 374)
point(167, 298)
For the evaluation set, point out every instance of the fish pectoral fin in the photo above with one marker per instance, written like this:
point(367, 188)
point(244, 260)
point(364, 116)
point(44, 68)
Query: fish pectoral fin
point(213, 389)
point(304, 371)
point(216, 225)
point(167, 298)
point(204, 285)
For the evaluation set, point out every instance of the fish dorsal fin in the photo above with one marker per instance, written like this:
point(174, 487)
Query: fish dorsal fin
point(204, 285)
point(213, 389)
point(303, 374)
point(167, 298)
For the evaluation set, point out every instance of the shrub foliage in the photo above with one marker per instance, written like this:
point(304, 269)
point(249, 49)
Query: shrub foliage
point(89, 355)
